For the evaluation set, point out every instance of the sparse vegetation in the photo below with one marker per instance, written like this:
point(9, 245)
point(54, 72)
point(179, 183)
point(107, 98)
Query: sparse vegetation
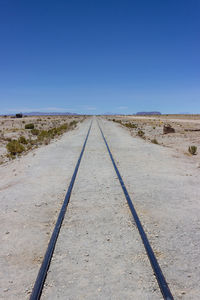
point(22, 140)
point(130, 125)
point(40, 136)
point(29, 126)
point(35, 131)
point(140, 133)
point(15, 147)
point(154, 141)
point(192, 150)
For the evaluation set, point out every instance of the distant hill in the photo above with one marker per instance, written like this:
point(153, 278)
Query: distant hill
point(37, 113)
point(148, 113)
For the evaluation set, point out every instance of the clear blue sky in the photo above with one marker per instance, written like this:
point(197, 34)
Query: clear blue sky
point(100, 56)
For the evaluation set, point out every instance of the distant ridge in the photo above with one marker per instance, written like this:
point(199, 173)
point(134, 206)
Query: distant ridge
point(147, 113)
point(37, 113)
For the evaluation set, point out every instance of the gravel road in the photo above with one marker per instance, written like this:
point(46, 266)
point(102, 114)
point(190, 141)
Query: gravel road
point(99, 254)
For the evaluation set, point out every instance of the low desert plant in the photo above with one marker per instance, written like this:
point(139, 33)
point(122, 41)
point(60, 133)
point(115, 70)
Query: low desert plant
point(72, 123)
point(14, 147)
point(154, 141)
point(35, 131)
point(192, 150)
point(29, 126)
point(118, 121)
point(130, 125)
point(140, 133)
point(22, 140)
point(43, 134)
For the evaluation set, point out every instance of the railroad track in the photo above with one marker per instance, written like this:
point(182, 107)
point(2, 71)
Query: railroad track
point(40, 280)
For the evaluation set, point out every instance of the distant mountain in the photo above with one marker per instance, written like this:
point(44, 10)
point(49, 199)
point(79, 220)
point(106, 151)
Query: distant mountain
point(148, 113)
point(37, 113)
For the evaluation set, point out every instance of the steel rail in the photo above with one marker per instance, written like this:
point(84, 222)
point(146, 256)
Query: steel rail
point(152, 258)
point(40, 280)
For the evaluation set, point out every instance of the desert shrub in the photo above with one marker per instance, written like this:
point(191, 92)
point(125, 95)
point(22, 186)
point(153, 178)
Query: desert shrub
point(130, 125)
point(32, 142)
point(63, 127)
point(19, 115)
point(22, 140)
point(154, 141)
point(72, 123)
point(14, 147)
point(113, 120)
point(35, 131)
point(118, 121)
point(140, 133)
point(53, 132)
point(192, 150)
point(8, 139)
point(29, 126)
point(43, 134)
point(154, 127)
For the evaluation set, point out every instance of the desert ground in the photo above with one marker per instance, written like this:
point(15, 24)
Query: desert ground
point(42, 131)
point(99, 253)
point(187, 131)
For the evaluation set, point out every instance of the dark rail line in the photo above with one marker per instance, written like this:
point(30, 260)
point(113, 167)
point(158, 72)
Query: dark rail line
point(39, 283)
point(154, 263)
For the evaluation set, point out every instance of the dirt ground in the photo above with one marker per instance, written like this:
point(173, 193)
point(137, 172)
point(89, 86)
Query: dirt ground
point(99, 253)
point(14, 128)
point(187, 131)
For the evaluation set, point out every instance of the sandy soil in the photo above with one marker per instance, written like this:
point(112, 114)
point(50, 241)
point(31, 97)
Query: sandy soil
point(183, 137)
point(14, 128)
point(99, 253)
point(32, 189)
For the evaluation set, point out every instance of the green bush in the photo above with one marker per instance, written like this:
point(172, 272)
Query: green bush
point(72, 123)
point(43, 134)
point(14, 147)
point(35, 131)
point(130, 125)
point(29, 126)
point(22, 140)
point(140, 133)
point(154, 141)
point(192, 150)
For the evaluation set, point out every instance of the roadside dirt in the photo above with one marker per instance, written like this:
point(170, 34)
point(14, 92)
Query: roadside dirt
point(99, 253)
point(12, 128)
point(187, 132)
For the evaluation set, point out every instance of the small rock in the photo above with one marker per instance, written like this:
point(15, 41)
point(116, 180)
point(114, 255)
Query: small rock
point(167, 128)
point(183, 292)
point(7, 232)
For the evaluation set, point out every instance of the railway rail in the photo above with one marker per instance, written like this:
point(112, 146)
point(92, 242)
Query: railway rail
point(40, 280)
